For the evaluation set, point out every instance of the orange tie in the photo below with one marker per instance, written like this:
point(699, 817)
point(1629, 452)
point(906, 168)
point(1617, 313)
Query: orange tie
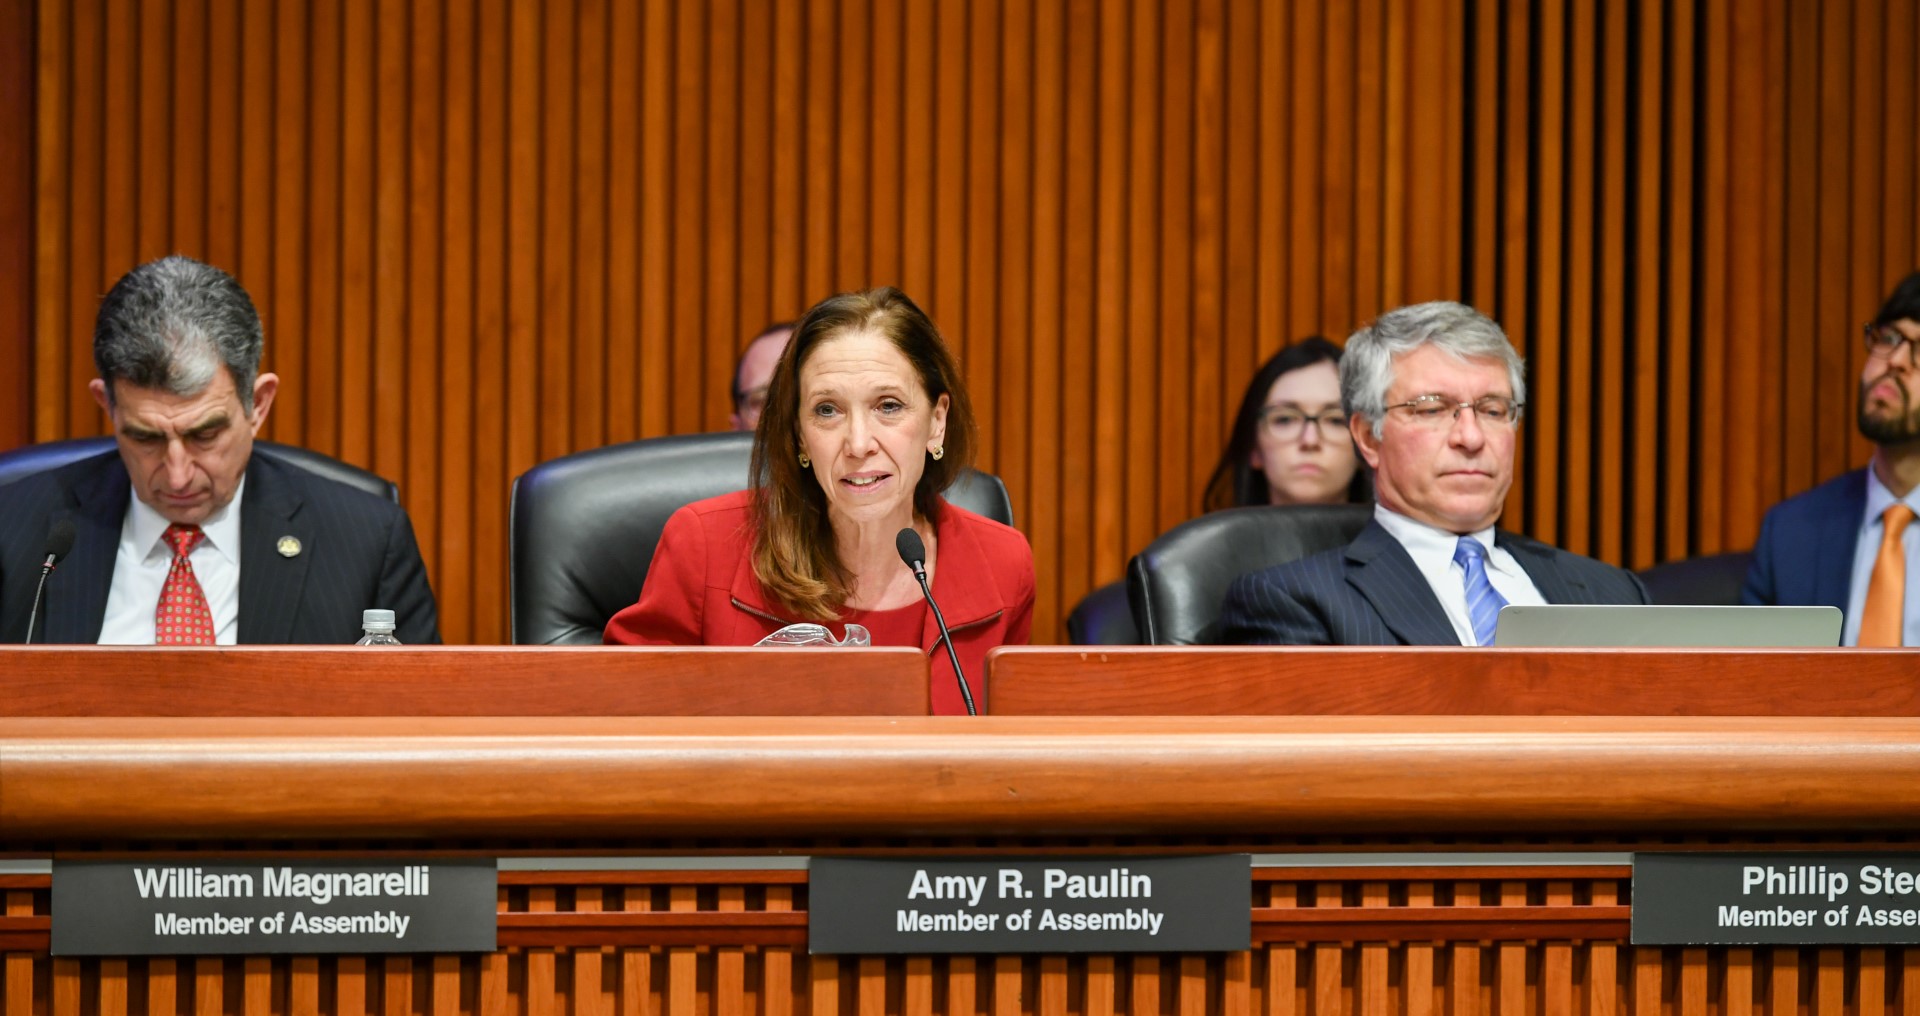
point(1883, 619)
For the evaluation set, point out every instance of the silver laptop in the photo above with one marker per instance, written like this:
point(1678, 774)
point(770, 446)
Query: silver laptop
point(1570, 625)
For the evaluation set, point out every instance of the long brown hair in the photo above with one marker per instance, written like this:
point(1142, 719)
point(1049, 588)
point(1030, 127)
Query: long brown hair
point(794, 555)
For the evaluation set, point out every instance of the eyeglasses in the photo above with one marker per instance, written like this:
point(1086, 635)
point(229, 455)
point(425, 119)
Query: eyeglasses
point(1884, 341)
point(1437, 411)
point(1289, 424)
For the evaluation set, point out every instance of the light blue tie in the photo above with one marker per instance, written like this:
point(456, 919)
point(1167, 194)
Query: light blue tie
point(1483, 601)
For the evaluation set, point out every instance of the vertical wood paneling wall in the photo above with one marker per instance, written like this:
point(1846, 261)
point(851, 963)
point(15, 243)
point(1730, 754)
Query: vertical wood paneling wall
point(484, 234)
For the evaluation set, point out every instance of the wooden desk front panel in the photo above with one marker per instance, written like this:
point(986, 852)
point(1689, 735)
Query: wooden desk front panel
point(691, 944)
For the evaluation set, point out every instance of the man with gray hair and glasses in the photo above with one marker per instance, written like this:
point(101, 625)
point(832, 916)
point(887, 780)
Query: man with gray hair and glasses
point(183, 536)
point(1433, 394)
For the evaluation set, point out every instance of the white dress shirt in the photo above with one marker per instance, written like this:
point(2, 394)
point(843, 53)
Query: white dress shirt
point(1432, 552)
point(1867, 549)
point(140, 570)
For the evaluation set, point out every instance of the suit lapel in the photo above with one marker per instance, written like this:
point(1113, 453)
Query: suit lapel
point(1383, 572)
point(76, 600)
point(1834, 544)
point(1536, 559)
point(271, 582)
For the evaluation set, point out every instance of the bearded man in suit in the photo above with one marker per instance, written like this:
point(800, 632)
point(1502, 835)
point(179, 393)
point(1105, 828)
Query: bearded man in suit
point(1433, 394)
point(1851, 542)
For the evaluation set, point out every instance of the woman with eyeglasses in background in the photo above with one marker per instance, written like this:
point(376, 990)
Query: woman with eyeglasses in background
point(1290, 443)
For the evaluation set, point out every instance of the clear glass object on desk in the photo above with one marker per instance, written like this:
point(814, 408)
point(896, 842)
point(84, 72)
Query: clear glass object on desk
point(808, 633)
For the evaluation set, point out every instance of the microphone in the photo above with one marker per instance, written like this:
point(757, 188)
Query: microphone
point(59, 543)
point(914, 553)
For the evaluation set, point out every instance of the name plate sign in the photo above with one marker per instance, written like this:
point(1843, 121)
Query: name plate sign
point(1776, 899)
point(122, 908)
point(1131, 904)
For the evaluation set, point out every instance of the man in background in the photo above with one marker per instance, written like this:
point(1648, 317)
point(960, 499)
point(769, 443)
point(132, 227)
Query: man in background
point(752, 373)
point(1850, 542)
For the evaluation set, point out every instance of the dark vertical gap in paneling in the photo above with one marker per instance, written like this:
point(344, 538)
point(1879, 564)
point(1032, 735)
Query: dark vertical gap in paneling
point(1518, 220)
point(282, 295)
point(523, 140)
point(1141, 282)
point(586, 397)
point(1044, 506)
point(356, 217)
point(820, 148)
point(154, 138)
point(50, 197)
point(985, 144)
point(1471, 114)
point(622, 384)
point(320, 232)
point(392, 240)
point(558, 198)
point(1205, 395)
point(1013, 333)
point(723, 325)
point(1081, 59)
point(854, 144)
point(1834, 316)
point(918, 238)
point(1548, 484)
point(1694, 338)
point(1578, 380)
point(655, 253)
point(883, 120)
point(19, 38)
point(459, 208)
point(1783, 449)
point(492, 472)
point(1610, 423)
point(1179, 347)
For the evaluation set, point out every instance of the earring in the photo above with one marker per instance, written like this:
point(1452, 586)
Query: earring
point(805, 463)
point(937, 452)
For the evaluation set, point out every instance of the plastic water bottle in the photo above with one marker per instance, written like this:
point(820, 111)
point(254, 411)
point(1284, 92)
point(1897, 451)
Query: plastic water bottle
point(379, 628)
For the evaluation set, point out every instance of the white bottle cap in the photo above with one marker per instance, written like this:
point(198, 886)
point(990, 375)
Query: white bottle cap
point(371, 619)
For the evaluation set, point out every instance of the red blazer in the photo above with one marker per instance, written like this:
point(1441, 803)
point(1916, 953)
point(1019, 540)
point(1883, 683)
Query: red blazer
point(701, 591)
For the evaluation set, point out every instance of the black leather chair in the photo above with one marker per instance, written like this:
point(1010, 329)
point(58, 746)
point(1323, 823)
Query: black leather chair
point(24, 462)
point(583, 528)
point(1711, 581)
point(1176, 585)
point(1103, 617)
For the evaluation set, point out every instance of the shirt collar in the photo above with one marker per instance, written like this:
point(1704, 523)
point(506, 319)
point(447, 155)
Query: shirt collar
point(1879, 499)
point(1432, 548)
point(221, 531)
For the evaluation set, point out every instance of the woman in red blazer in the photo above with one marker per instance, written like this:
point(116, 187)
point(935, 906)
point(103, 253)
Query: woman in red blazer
point(866, 422)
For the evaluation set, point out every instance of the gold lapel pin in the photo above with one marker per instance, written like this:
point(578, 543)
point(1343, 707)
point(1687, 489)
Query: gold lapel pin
point(289, 546)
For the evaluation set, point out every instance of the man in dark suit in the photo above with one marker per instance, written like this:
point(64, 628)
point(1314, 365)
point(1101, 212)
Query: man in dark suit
point(1850, 542)
point(184, 536)
point(1433, 395)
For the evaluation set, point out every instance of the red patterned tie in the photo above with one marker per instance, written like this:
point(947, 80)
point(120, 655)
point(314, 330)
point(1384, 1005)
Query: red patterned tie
point(183, 618)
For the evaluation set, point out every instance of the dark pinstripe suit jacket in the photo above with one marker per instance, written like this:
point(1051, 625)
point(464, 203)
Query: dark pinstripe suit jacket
point(357, 551)
point(1370, 593)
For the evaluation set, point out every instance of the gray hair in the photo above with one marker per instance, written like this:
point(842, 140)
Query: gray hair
point(1366, 368)
point(170, 324)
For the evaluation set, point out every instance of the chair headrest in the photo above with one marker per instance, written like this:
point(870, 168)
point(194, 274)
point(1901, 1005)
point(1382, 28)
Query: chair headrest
point(1177, 584)
point(24, 462)
point(584, 527)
